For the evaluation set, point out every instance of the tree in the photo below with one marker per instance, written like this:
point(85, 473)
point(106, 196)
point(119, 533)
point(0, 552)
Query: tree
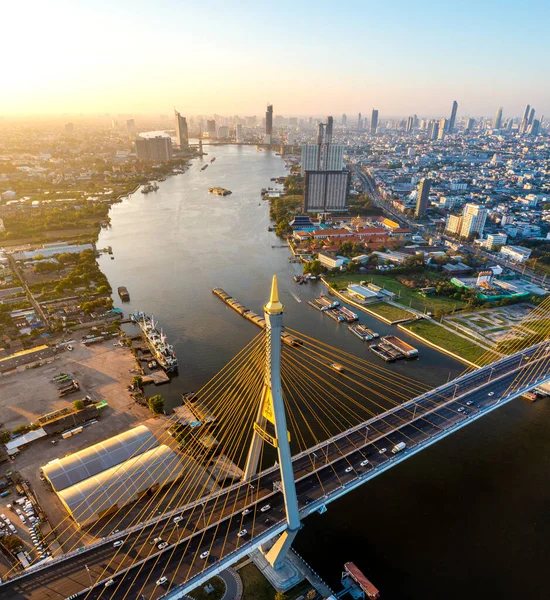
point(280, 596)
point(311, 595)
point(5, 436)
point(137, 381)
point(78, 404)
point(11, 543)
point(314, 267)
point(156, 404)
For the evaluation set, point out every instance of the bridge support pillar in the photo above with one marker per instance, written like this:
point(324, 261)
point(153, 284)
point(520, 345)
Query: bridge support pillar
point(271, 426)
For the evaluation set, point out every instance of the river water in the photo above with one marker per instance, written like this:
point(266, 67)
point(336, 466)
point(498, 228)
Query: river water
point(465, 518)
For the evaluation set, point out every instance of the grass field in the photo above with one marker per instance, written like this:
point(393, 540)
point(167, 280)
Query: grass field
point(201, 594)
point(390, 312)
point(456, 344)
point(403, 294)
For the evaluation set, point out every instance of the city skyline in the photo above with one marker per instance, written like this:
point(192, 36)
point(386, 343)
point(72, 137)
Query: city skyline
point(65, 68)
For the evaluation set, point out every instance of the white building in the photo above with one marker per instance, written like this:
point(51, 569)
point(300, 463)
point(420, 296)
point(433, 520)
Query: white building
point(329, 261)
point(495, 239)
point(473, 220)
point(515, 253)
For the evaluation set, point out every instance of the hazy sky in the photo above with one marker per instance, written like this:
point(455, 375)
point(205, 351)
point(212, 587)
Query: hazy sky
point(304, 56)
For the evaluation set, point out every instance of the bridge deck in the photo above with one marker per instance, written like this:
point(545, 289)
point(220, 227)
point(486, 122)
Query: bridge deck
point(323, 474)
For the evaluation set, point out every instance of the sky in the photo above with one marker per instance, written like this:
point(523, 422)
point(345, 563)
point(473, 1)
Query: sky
point(304, 56)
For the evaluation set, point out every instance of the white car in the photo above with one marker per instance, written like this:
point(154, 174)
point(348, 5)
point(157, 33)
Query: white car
point(469, 403)
point(177, 520)
point(348, 469)
point(265, 508)
point(162, 545)
point(205, 555)
point(382, 450)
point(491, 394)
point(162, 581)
point(246, 511)
point(364, 463)
point(110, 582)
point(461, 409)
point(117, 543)
point(242, 533)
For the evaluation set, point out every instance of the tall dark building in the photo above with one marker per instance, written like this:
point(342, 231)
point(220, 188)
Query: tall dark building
point(524, 121)
point(328, 130)
point(344, 119)
point(452, 120)
point(531, 116)
point(182, 135)
point(410, 124)
point(326, 191)
point(422, 198)
point(374, 121)
point(497, 121)
point(269, 124)
point(359, 122)
point(320, 133)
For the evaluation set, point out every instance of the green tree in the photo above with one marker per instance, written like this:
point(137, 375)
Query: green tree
point(5, 436)
point(280, 596)
point(156, 404)
point(78, 404)
point(11, 543)
point(314, 267)
point(137, 382)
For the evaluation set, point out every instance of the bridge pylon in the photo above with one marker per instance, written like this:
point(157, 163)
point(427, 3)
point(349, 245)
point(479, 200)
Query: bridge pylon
point(271, 415)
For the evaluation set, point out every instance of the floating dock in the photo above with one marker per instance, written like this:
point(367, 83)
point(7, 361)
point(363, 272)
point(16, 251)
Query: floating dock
point(289, 340)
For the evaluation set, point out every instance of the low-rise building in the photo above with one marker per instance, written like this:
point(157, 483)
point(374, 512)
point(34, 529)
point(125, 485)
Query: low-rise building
point(515, 253)
point(330, 261)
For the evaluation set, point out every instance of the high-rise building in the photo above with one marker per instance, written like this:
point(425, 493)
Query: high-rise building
point(410, 124)
point(344, 120)
point(531, 116)
point(211, 128)
point(130, 126)
point(328, 130)
point(239, 133)
point(454, 224)
point(497, 121)
point(326, 191)
point(182, 135)
point(320, 134)
point(157, 148)
point(473, 220)
point(223, 132)
point(433, 130)
point(422, 197)
point(443, 128)
point(534, 128)
point(374, 121)
point(452, 120)
point(268, 124)
point(359, 121)
point(470, 124)
point(524, 120)
point(322, 157)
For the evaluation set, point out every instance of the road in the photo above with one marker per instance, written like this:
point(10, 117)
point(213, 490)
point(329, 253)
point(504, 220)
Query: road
point(323, 473)
point(31, 298)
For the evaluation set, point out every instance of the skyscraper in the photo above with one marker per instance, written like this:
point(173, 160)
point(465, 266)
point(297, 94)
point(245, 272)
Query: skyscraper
point(523, 124)
point(326, 191)
point(374, 121)
point(211, 128)
point(239, 133)
point(268, 124)
point(344, 119)
point(131, 126)
point(359, 122)
point(497, 121)
point(452, 120)
point(182, 135)
point(423, 194)
point(410, 124)
point(328, 130)
point(320, 133)
point(433, 130)
point(157, 148)
point(324, 157)
point(473, 220)
point(531, 116)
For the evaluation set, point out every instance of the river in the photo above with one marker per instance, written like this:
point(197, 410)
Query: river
point(464, 518)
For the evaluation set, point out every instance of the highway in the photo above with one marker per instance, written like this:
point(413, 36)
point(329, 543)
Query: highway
point(323, 473)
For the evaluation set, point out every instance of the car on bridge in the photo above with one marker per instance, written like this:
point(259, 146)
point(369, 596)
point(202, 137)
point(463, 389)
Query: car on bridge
point(205, 555)
point(162, 545)
point(242, 533)
point(162, 581)
point(364, 463)
point(265, 508)
point(246, 511)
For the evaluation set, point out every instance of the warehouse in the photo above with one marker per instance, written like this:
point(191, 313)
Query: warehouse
point(65, 472)
point(106, 492)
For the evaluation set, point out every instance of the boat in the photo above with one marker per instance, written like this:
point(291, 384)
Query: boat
point(361, 331)
point(400, 346)
point(150, 187)
point(205, 167)
point(212, 159)
point(219, 191)
point(349, 316)
point(124, 293)
point(162, 352)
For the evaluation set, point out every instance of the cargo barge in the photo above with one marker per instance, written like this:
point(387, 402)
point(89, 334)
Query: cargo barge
point(390, 348)
point(124, 293)
point(162, 352)
point(219, 191)
point(289, 340)
point(362, 332)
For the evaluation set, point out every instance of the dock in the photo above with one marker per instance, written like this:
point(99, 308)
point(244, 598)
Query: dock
point(289, 340)
point(157, 377)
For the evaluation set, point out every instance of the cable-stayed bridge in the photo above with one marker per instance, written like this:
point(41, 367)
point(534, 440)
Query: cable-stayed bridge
point(341, 442)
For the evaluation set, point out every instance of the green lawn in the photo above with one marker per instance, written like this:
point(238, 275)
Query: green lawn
point(201, 594)
point(389, 312)
point(440, 336)
point(403, 294)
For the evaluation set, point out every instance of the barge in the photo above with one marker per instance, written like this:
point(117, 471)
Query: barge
point(124, 293)
point(287, 338)
point(161, 351)
point(406, 349)
point(219, 191)
point(390, 348)
point(362, 331)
